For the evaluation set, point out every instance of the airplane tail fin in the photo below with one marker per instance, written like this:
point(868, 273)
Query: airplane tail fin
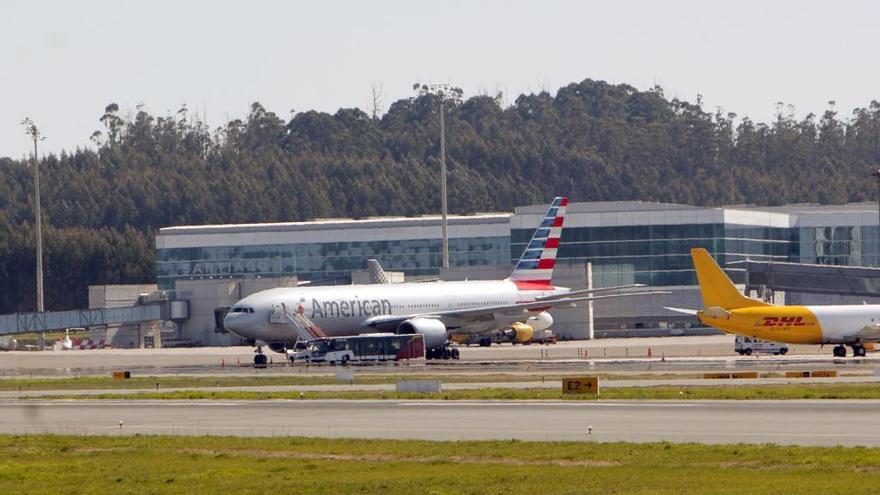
point(535, 266)
point(715, 285)
point(377, 274)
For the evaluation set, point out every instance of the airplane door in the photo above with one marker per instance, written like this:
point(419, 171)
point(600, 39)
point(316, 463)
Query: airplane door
point(278, 314)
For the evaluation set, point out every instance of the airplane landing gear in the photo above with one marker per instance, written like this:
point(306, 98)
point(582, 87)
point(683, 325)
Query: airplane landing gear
point(858, 350)
point(445, 353)
point(260, 359)
point(839, 351)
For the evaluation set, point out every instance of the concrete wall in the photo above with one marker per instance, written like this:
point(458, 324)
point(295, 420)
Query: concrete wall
point(117, 296)
point(205, 296)
point(123, 336)
point(132, 336)
point(249, 286)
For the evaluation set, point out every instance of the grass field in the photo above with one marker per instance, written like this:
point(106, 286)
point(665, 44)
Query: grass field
point(100, 465)
point(728, 392)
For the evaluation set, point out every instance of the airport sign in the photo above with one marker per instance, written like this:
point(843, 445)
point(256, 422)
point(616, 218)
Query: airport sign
point(584, 385)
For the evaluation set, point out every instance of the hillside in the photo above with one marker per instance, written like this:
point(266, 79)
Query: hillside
point(592, 140)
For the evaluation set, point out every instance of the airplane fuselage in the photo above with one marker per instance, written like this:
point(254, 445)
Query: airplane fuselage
point(347, 310)
point(845, 324)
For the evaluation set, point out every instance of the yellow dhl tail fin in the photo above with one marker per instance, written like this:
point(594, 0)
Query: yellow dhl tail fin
point(716, 287)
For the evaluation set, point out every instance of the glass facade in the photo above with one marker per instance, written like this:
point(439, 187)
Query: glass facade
point(653, 254)
point(326, 260)
point(659, 255)
point(842, 245)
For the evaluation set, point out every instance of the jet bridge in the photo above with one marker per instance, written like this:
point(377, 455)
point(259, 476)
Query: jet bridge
point(810, 279)
point(17, 323)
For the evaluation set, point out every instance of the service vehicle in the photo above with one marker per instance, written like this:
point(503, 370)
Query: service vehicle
point(746, 346)
point(365, 348)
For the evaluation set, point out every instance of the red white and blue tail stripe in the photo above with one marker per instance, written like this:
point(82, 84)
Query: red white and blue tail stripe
point(535, 267)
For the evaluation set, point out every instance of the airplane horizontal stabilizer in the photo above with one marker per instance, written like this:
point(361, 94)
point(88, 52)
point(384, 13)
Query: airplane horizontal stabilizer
point(682, 310)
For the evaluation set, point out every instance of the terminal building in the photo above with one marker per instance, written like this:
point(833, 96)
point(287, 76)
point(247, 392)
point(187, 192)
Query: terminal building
point(623, 242)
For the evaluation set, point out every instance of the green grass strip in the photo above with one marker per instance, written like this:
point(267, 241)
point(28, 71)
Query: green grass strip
point(47, 464)
point(724, 392)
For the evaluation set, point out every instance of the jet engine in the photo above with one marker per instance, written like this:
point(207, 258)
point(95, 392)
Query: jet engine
point(541, 321)
point(432, 331)
point(520, 333)
point(277, 347)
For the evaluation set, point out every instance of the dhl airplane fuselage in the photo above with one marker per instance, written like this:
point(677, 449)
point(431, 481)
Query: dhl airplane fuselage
point(729, 310)
point(802, 324)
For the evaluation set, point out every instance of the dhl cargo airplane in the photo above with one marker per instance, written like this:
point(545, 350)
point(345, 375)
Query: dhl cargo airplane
point(515, 306)
point(726, 308)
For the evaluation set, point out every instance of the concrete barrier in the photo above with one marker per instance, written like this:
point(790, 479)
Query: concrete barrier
point(728, 376)
point(823, 374)
point(811, 374)
point(716, 376)
point(797, 374)
point(744, 374)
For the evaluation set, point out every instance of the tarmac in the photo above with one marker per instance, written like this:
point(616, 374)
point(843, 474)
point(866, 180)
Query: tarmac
point(813, 422)
point(661, 354)
point(674, 361)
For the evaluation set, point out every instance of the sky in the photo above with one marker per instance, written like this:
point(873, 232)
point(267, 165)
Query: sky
point(62, 62)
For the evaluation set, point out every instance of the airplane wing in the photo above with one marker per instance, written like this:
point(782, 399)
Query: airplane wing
point(586, 292)
point(869, 333)
point(486, 313)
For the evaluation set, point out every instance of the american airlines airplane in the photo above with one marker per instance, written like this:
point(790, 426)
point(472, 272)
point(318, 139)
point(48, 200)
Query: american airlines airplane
point(516, 306)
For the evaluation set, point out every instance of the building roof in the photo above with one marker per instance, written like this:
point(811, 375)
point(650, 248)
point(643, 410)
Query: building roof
point(336, 223)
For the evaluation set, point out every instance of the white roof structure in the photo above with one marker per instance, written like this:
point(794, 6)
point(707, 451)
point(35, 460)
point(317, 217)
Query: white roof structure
point(333, 230)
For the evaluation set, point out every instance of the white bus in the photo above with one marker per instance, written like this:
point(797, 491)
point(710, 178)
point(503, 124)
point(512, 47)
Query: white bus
point(360, 348)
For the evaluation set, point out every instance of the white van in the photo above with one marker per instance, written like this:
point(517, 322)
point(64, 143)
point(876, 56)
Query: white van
point(746, 346)
point(299, 352)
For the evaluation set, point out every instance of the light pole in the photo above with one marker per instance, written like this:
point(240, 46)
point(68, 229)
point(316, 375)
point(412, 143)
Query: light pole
point(876, 174)
point(443, 91)
point(32, 131)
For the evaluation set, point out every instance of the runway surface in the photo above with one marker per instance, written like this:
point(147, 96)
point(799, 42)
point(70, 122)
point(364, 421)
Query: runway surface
point(781, 422)
point(666, 354)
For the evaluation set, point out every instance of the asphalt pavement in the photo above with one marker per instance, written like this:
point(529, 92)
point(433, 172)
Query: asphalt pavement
point(837, 422)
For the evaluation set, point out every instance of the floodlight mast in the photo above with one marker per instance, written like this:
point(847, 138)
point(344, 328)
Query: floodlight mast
point(32, 131)
point(876, 174)
point(443, 91)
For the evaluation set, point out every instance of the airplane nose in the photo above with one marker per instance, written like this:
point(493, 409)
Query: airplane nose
point(232, 322)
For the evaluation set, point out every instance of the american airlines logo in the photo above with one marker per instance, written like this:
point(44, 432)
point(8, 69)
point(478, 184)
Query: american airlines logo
point(351, 308)
point(782, 321)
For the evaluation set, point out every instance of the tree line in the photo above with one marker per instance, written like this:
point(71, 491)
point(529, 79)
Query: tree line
point(594, 141)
